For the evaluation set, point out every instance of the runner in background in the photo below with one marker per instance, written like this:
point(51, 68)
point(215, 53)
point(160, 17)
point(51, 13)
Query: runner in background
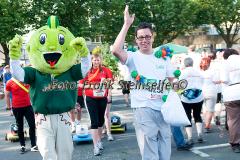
point(21, 107)
point(78, 108)
point(107, 117)
point(125, 82)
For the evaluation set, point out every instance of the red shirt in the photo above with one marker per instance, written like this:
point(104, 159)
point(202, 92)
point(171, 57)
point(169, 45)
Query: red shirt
point(94, 77)
point(80, 89)
point(20, 98)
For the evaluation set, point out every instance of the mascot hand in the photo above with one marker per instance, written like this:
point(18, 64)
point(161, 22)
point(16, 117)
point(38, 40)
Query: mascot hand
point(79, 44)
point(15, 47)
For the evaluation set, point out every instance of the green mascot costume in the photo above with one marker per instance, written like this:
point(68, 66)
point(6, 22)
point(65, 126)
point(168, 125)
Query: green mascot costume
point(53, 52)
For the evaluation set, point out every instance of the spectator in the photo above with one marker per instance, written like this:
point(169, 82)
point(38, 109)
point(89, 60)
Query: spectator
point(6, 77)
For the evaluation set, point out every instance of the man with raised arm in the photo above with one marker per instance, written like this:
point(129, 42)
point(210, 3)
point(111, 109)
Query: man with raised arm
point(146, 67)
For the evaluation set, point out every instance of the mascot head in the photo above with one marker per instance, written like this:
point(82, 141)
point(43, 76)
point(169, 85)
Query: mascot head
point(49, 48)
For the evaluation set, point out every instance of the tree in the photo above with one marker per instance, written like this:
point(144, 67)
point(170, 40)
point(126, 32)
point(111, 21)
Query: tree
point(12, 19)
point(224, 15)
point(170, 17)
point(109, 60)
point(72, 14)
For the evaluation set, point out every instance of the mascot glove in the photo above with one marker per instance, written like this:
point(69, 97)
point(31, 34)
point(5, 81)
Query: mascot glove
point(79, 44)
point(15, 46)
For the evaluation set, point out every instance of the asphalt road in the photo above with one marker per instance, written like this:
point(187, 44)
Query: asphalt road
point(215, 146)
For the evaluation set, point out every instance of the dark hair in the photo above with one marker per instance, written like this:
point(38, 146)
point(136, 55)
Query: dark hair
point(144, 25)
point(205, 63)
point(228, 52)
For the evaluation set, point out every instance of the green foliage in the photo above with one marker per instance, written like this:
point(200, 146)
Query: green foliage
point(170, 18)
point(109, 60)
point(72, 14)
point(12, 21)
point(224, 15)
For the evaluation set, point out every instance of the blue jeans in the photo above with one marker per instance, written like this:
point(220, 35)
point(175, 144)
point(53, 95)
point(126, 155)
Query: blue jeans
point(178, 136)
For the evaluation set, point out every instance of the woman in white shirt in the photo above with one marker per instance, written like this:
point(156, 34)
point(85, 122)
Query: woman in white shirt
point(230, 75)
point(192, 98)
point(209, 91)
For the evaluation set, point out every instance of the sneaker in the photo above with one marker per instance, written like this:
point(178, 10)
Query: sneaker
point(200, 139)
point(100, 145)
point(22, 149)
point(217, 121)
point(96, 151)
point(236, 148)
point(190, 142)
point(73, 128)
point(185, 147)
point(34, 149)
point(110, 137)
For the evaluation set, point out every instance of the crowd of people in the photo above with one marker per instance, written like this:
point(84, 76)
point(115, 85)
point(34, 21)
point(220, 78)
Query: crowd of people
point(213, 81)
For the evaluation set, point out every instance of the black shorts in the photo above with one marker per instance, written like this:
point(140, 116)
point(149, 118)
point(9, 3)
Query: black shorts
point(96, 108)
point(80, 101)
point(219, 98)
point(126, 87)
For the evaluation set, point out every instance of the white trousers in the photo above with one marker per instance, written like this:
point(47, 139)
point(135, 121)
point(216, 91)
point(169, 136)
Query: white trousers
point(54, 138)
point(153, 134)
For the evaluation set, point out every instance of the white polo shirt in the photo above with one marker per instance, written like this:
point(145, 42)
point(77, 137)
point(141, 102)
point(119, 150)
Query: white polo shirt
point(152, 68)
point(230, 74)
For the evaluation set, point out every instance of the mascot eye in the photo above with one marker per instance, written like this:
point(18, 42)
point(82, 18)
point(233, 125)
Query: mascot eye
point(42, 38)
point(61, 39)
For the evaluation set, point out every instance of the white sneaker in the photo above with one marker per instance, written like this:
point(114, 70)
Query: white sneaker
point(100, 145)
point(73, 128)
point(34, 149)
point(96, 151)
point(110, 137)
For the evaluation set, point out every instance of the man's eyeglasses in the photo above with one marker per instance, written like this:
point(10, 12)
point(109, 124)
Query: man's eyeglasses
point(147, 37)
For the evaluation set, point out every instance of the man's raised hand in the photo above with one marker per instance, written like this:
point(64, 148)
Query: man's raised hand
point(128, 19)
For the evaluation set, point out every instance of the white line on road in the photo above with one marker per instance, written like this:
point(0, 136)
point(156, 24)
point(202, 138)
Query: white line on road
point(197, 151)
point(201, 154)
point(212, 146)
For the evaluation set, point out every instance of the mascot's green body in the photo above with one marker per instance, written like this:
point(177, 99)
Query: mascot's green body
point(53, 52)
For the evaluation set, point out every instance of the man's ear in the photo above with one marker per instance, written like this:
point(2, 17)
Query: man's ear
point(28, 48)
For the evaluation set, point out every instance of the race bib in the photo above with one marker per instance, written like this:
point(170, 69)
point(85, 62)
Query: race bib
point(154, 96)
point(99, 93)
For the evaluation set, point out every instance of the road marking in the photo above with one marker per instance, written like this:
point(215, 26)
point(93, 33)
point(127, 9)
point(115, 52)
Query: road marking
point(197, 151)
point(212, 146)
point(201, 154)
